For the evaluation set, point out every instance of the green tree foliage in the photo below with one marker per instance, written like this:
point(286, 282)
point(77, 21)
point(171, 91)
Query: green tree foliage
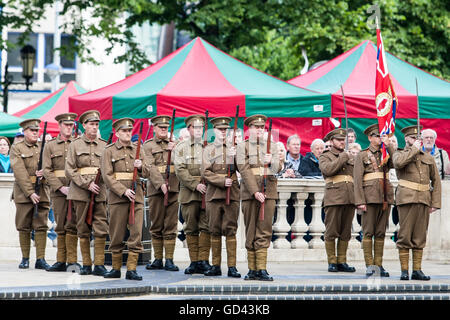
point(267, 34)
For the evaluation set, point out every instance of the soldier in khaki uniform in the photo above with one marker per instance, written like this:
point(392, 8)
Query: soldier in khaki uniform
point(24, 162)
point(251, 157)
point(164, 220)
point(369, 197)
point(55, 153)
point(337, 169)
point(418, 194)
point(83, 161)
point(188, 161)
point(117, 167)
point(222, 217)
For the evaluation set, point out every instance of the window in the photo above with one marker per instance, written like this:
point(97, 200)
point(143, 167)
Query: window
point(43, 43)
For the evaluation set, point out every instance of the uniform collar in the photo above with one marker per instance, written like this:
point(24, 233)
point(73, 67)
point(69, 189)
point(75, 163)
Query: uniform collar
point(335, 151)
point(60, 140)
point(119, 145)
point(30, 144)
point(85, 138)
point(158, 140)
point(373, 149)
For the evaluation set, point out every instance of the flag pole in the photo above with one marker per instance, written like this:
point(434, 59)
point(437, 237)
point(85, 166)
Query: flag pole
point(418, 111)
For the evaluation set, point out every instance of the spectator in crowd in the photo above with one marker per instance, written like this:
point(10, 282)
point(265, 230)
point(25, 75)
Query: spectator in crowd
point(354, 148)
point(184, 134)
point(287, 171)
point(309, 166)
point(5, 164)
point(351, 136)
point(440, 155)
point(18, 137)
point(293, 151)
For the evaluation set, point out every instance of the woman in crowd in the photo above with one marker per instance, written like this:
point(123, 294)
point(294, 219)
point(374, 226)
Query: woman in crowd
point(309, 166)
point(5, 165)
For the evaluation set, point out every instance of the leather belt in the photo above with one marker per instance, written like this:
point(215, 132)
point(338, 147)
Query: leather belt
point(59, 173)
point(88, 170)
point(225, 175)
point(162, 169)
point(373, 176)
point(258, 171)
point(339, 178)
point(199, 178)
point(413, 185)
point(123, 175)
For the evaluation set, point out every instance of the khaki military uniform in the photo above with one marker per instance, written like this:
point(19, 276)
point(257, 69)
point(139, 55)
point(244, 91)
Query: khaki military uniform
point(164, 220)
point(338, 202)
point(222, 217)
point(250, 162)
point(188, 161)
point(83, 161)
point(55, 153)
point(419, 188)
point(24, 158)
point(369, 191)
point(117, 166)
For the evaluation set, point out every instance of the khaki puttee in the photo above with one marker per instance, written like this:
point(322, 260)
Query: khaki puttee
point(339, 178)
point(413, 185)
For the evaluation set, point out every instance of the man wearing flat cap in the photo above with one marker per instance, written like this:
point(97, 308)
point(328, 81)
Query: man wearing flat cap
point(164, 220)
point(82, 164)
point(417, 196)
point(251, 157)
point(117, 167)
point(336, 165)
point(188, 162)
point(222, 217)
point(374, 196)
point(55, 154)
point(24, 162)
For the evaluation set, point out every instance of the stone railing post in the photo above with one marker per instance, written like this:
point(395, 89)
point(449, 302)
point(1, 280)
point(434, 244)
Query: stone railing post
point(317, 227)
point(299, 226)
point(281, 226)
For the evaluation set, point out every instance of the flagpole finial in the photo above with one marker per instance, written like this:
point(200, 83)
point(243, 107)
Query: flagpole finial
point(376, 22)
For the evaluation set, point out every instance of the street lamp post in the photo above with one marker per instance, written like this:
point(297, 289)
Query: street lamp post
point(28, 59)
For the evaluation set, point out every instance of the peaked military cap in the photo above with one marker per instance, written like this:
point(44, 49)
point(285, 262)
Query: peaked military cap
point(161, 121)
point(338, 133)
point(221, 122)
point(372, 130)
point(256, 120)
point(196, 119)
point(91, 115)
point(30, 124)
point(123, 123)
point(411, 131)
point(68, 117)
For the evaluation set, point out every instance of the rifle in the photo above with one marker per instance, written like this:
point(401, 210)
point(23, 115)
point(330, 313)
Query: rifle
point(149, 128)
point(169, 160)
point(134, 183)
point(69, 205)
point(264, 182)
point(37, 185)
point(227, 199)
point(205, 143)
point(346, 120)
point(96, 181)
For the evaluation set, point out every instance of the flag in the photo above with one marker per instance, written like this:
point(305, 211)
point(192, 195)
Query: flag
point(385, 98)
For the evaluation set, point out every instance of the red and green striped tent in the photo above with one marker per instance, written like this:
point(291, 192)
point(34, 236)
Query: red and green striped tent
point(355, 71)
point(52, 105)
point(9, 124)
point(199, 76)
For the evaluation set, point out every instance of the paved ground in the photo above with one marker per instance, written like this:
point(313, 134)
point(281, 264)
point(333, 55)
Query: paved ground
point(300, 280)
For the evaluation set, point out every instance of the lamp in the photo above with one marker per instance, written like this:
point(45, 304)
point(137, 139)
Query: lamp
point(28, 57)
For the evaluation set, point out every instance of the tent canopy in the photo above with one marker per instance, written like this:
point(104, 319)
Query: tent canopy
point(9, 125)
point(355, 71)
point(55, 103)
point(199, 77)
